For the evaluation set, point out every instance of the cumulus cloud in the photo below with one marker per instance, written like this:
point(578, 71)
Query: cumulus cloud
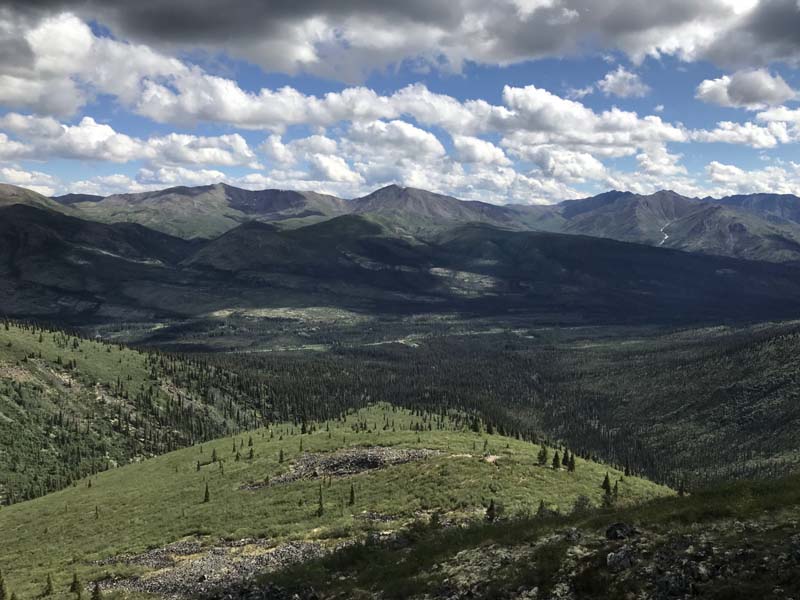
point(45, 137)
point(33, 180)
point(623, 83)
point(351, 38)
point(730, 179)
point(750, 134)
point(753, 89)
point(475, 150)
point(532, 145)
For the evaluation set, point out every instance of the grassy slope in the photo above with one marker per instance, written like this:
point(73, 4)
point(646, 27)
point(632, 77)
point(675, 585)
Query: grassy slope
point(743, 533)
point(58, 422)
point(159, 501)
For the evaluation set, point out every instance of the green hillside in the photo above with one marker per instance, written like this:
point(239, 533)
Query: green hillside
point(425, 463)
point(70, 407)
point(735, 541)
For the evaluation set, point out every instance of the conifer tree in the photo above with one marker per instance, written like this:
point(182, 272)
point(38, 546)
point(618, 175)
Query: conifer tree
point(97, 594)
point(75, 586)
point(608, 498)
point(48, 586)
point(556, 461)
point(3, 589)
point(571, 465)
point(606, 484)
point(491, 512)
point(541, 512)
point(542, 457)
point(321, 507)
point(280, 456)
point(206, 496)
point(352, 495)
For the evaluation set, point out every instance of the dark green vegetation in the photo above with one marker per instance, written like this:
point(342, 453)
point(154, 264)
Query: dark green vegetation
point(387, 362)
point(136, 508)
point(736, 542)
point(80, 271)
point(209, 211)
point(755, 227)
point(682, 406)
point(70, 407)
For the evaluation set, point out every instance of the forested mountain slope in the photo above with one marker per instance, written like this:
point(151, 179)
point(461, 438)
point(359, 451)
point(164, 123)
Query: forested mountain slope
point(71, 407)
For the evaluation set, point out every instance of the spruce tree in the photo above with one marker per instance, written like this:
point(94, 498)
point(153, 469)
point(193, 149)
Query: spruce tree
point(321, 507)
point(75, 586)
point(491, 512)
point(206, 496)
point(352, 495)
point(556, 461)
point(542, 457)
point(606, 484)
point(48, 586)
point(571, 465)
point(541, 512)
point(280, 456)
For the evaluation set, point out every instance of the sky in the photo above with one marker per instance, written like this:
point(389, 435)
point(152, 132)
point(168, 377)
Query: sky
point(509, 101)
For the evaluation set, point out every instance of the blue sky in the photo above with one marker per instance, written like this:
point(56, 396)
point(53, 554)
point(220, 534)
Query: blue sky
point(529, 101)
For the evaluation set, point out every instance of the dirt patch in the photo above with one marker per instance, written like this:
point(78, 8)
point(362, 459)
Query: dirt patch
point(349, 461)
point(491, 459)
point(14, 373)
point(182, 572)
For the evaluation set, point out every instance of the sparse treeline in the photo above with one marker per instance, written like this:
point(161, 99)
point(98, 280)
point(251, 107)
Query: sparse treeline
point(72, 406)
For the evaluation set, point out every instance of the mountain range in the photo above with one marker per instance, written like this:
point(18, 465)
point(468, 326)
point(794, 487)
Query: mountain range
point(762, 227)
point(398, 250)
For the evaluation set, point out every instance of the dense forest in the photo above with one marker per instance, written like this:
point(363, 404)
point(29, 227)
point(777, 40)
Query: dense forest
point(681, 408)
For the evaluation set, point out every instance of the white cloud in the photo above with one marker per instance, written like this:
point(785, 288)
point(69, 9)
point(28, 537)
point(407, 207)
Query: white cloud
point(748, 134)
point(656, 160)
point(173, 176)
point(475, 150)
point(333, 168)
point(623, 83)
point(44, 137)
point(753, 89)
point(394, 138)
point(730, 179)
point(566, 165)
point(33, 180)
